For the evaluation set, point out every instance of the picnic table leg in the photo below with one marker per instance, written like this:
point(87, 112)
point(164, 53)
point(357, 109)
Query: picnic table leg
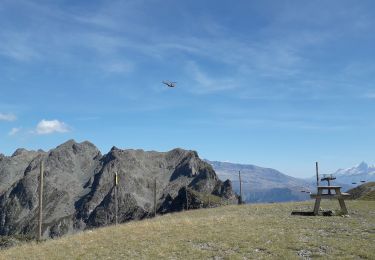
point(317, 203)
point(316, 206)
point(342, 202)
point(343, 206)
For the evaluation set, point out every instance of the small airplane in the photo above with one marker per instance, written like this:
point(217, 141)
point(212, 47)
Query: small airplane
point(169, 83)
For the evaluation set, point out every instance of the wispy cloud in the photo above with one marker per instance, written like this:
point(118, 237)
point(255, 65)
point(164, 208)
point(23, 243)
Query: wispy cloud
point(370, 95)
point(14, 131)
point(110, 34)
point(272, 124)
point(87, 118)
point(51, 126)
point(17, 46)
point(118, 67)
point(7, 117)
point(203, 83)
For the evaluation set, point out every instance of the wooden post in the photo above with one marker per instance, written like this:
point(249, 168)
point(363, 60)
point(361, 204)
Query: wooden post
point(317, 201)
point(317, 174)
point(116, 202)
point(155, 197)
point(239, 176)
point(40, 217)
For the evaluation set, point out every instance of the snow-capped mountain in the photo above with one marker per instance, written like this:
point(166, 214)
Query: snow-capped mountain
point(362, 168)
point(356, 175)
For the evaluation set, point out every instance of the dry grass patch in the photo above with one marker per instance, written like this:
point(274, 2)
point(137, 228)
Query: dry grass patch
point(230, 232)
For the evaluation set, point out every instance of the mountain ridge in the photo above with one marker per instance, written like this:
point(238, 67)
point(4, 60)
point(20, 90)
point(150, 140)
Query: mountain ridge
point(262, 184)
point(79, 193)
point(352, 176)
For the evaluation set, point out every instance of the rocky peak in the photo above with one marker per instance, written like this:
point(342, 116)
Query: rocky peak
point(362, 167)
point(71, 148)
point(73, 145)
point(19, 151)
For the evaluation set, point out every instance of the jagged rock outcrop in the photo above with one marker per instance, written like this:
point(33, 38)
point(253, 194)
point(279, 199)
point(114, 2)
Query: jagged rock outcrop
point(79, 193)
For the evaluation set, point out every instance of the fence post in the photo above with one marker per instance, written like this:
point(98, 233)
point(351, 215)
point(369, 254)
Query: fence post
point(155, 197)
point(317, 174)
point(40, 217)
point(116, 202)
point(239, 176)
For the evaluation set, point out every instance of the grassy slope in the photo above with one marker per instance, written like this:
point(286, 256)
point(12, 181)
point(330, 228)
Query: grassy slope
point(235, 232)
point(364, 192)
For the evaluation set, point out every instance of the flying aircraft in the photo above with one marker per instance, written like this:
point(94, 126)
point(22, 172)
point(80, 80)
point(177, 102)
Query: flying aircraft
point(169, 83)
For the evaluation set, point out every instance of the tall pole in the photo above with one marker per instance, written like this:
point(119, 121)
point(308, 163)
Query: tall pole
point(239, 176)
point(317, 174)
point(186, 195)
point(116, 202)
point(40, 200)
point(155, 197)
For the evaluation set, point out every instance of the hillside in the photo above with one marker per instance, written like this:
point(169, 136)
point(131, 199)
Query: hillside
point(79, 187)
point(235, 232)
point(261, 184)
point(364, 192)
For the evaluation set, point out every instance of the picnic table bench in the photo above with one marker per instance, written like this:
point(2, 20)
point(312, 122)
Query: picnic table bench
point(340, 196)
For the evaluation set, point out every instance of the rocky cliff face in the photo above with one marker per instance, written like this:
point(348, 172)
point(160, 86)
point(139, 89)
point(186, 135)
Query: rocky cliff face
point(79, 187)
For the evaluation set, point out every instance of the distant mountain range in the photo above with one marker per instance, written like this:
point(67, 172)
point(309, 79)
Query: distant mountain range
point(263, 184)
point(355, 175)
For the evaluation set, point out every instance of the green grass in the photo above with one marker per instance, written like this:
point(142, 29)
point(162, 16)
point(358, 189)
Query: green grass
point(207, 199)
point(364, 192)
point(369, 196)
point(229, 232)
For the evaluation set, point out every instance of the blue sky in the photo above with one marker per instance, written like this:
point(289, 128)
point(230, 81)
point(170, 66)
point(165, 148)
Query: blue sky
point(279, 84)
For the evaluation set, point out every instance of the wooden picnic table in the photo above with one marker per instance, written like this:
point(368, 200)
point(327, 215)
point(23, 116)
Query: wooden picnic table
point(329, 195)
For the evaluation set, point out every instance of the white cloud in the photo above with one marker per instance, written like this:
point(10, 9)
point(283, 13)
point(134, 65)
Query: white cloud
point(14, 131)
point(52, 126)
point(7, 117)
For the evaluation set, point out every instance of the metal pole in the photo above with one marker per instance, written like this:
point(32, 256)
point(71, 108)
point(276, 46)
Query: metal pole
point(317, 174)
point(155, 197)
point(40, 201)
point(239, 176)
point(116, 203)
